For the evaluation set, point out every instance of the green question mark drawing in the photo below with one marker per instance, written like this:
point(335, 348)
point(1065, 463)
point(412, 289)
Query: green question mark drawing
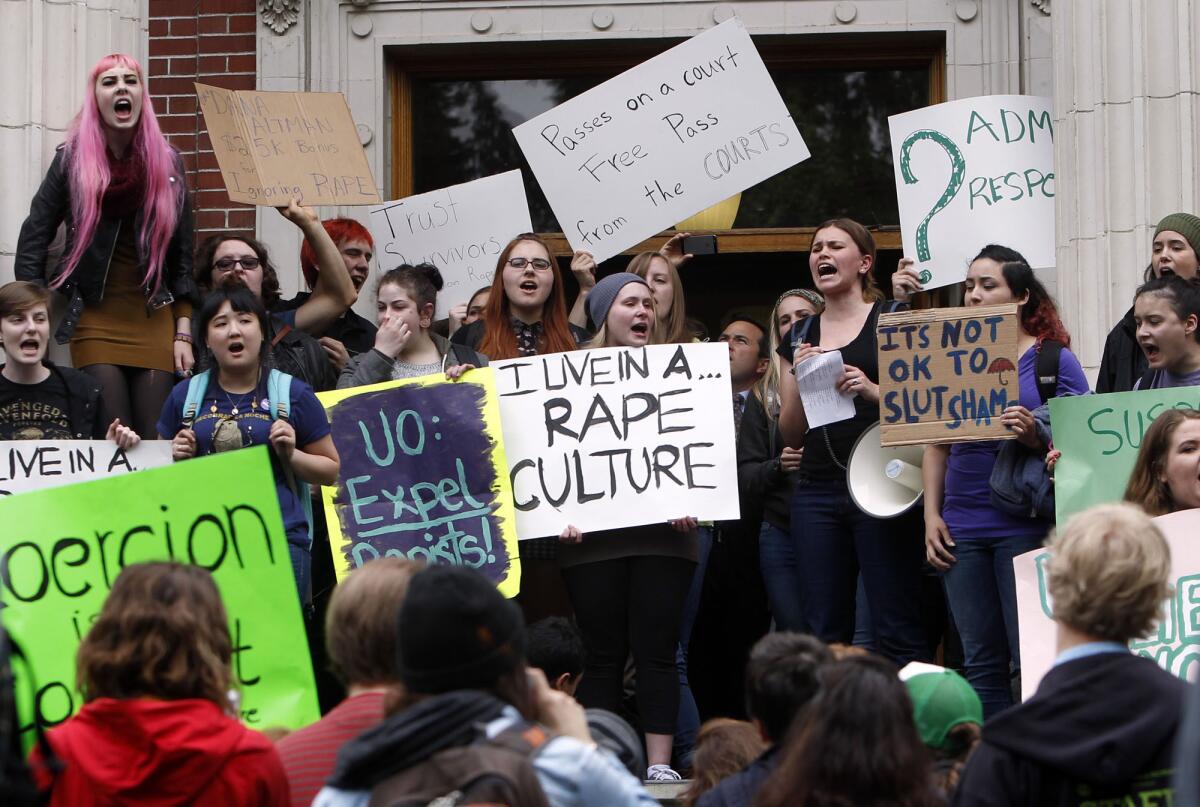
point(958, 169)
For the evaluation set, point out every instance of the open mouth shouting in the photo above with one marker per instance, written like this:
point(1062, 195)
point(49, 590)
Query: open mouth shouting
point(1153, 354)
point(31, 348)
point(237, 349)
point(826, 269)
point(123, 109)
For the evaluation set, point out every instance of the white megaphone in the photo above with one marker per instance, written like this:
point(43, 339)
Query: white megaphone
point(884, 482)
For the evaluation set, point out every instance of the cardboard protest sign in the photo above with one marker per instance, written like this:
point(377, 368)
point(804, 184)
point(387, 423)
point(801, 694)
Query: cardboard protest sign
point(62, 548)
point(272, 146)
point(1099, 437)
point(423, 477)
point(461, 230)
point(971, 173)
point(618, 437)
point(650, 147)
point(1175, 646)
point(947, 374)
point(36, 464)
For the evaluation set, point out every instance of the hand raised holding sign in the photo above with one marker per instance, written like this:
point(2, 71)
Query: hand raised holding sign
point(1020, 422)
point(125, 437)
point(906, 282)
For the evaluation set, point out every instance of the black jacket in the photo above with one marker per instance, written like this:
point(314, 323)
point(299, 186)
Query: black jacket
point(740, 789)
point(83, 403)
point(1099, 728)
point(298, 354)
point(1123, 362)
point(762, 483)
point(354, 331)
point(51, 206)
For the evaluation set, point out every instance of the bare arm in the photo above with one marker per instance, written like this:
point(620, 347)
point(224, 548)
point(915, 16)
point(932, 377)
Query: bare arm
point(334, 292)
point(938, 541)
point(317, 463)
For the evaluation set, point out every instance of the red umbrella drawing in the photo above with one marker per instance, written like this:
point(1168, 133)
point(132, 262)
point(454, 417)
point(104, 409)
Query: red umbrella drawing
point(999, 366)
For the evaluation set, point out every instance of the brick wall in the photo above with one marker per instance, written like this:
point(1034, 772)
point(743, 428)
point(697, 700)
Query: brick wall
point(213, 42)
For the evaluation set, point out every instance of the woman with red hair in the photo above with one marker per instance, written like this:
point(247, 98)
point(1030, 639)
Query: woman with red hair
point(966, 536)
point(126, 266)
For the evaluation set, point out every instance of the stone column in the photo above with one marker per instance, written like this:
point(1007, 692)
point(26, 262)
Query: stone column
point(46, 50)
point(1127, 148)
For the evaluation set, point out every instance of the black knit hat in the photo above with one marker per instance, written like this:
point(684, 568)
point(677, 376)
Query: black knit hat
point(457, 632)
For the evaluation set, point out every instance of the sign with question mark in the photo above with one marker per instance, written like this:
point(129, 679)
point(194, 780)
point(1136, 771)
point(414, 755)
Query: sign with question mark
point(970, 173)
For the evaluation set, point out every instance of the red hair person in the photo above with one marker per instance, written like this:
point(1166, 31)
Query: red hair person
point(967, 537)
point(126, 267)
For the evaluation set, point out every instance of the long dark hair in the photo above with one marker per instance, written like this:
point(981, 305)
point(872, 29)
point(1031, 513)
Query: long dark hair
point(856, 744)
point(1039, 315)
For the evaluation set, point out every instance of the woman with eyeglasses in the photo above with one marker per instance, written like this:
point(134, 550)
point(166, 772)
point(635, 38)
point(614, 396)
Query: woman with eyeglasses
point(235, 412)
point(119, 188)
point(232, 257)
point(526, 315)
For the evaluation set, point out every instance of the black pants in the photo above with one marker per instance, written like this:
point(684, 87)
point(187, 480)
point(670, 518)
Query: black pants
point(631, 603)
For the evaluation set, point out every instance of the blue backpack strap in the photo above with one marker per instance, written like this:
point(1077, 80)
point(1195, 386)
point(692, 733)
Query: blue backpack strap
point(197, 386)
point(279, 393)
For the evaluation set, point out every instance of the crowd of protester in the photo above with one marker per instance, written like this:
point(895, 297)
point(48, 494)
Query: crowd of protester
point(782, 658)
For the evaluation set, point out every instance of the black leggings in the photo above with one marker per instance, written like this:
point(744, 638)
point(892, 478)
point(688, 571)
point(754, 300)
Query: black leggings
point(133, 394)
point(633, 602)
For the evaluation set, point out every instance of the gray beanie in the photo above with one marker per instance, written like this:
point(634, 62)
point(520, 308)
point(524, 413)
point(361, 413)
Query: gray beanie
point(601, 297)
point(1185, 224)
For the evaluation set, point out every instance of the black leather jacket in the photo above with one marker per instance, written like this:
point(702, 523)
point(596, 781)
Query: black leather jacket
point(51, 206)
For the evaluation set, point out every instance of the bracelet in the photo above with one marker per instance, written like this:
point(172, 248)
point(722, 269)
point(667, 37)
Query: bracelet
point(183, 337)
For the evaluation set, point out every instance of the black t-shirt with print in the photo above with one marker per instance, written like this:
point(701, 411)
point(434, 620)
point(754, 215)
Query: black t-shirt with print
point(34, 411)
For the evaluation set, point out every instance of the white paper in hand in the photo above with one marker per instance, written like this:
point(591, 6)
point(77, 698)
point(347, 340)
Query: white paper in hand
point(817, 380)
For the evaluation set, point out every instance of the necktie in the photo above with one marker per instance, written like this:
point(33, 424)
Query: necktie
point(738, 403)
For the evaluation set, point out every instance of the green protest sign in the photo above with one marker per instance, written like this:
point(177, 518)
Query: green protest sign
point(1099, 437)
point(62, 548)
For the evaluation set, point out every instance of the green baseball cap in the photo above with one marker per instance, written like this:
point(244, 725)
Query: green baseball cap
point(942, 699)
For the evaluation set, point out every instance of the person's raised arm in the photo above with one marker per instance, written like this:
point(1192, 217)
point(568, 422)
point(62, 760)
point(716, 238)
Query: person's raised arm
point(334, 292)
point(673, 250)
point(583, 266)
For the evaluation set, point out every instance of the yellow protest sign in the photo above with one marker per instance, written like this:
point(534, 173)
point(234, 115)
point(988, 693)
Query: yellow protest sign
point(423, 476)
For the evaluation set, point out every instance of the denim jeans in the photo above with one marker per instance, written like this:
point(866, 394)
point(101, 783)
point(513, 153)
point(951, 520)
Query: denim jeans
point(835, 541)
point(781, 575)
point(302, 568)
point(688, 724)
point(982, 592)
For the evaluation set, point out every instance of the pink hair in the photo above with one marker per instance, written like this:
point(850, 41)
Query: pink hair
point(86, 149)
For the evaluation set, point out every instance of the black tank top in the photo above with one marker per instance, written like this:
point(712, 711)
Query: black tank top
point(827, 448)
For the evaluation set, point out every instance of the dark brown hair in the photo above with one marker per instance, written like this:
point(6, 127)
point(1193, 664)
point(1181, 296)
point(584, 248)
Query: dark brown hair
point(202, 267)
point(162, 633)
point(499, 341)
point(856, 744)
point(360, 625)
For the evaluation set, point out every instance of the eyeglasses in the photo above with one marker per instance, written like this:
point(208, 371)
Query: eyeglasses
point(521, 263)
point(227, 264)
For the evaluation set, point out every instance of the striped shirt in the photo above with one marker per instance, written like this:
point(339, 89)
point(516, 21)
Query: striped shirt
point(310, 753)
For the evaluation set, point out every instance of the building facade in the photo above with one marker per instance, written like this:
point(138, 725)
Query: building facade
point(435, 85)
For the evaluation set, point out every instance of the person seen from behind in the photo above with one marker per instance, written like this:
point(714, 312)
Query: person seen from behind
point(949, 717)
point(471, 706)
point(723, 747)
point(1103, 721)
point(157, 725)
point(556, 648)
point(360, 641)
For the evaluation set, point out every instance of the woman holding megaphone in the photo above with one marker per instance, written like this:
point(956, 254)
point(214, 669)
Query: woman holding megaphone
point(834, 539)
point(966, 536)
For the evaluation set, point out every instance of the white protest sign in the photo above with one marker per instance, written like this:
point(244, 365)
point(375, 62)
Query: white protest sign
point(817, 379)
point(460, 229)
point(618, 437)
point(1175, 646)
point(35, 464)
point(674, 135)
point(974, 172)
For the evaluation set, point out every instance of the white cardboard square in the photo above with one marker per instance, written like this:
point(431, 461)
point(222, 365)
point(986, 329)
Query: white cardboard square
point(607, 415)
point(663, 140)
point(974, 172)
point(460, 229)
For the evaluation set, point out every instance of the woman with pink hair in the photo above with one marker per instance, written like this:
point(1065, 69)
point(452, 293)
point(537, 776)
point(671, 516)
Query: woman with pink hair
point(126, 264)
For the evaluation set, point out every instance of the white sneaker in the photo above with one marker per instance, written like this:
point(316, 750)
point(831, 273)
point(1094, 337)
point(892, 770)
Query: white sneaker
point(662, 773)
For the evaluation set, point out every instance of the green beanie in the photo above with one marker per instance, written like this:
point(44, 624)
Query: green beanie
point(1185, 224)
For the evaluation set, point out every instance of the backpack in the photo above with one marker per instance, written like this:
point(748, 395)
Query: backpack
point(1048, 359)
point(495, 771)
point(279, 394)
